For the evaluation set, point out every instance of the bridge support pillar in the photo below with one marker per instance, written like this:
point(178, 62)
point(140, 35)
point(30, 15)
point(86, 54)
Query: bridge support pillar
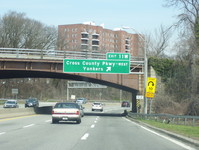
point(134, 107)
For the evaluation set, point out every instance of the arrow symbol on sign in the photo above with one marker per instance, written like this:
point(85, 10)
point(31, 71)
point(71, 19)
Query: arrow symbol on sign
point(151, 83)
point(108, 69)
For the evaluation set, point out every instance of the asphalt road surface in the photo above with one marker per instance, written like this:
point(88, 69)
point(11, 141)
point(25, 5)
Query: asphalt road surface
point(96, 132)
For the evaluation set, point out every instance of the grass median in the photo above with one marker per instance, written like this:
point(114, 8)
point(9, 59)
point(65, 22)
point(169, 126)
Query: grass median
point(188, 131)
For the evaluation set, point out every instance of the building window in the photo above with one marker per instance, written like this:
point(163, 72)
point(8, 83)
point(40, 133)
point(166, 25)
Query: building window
point(95, 48)
point(95, 42)
point(84, 47)
point(95, 36)
point(84, 35)
point(84, 41)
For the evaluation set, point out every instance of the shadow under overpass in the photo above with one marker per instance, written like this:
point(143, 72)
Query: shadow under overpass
point(48, 110)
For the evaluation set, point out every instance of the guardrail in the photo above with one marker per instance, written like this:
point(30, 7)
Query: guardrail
point(47, 54)
point(168, 118)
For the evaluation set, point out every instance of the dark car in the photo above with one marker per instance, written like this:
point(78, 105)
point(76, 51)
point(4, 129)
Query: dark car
point(125, 104)
point(32, 102)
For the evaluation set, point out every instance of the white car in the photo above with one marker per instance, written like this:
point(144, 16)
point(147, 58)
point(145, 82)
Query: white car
point(97, 106)
point(66, 112)
point(81, 100)
point(11, 104)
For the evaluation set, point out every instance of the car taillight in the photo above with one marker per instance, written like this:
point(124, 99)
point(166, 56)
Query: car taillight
point(53, 112)
point(77, 113)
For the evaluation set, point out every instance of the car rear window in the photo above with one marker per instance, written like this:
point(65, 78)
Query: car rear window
point(11, 102)
point(97, 103)
point(66, 105)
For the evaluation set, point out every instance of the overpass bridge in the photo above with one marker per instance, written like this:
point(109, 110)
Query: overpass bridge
point(37, 63)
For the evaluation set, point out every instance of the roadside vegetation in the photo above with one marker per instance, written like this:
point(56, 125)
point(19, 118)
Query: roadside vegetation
point(188, 131)
point(178, 75)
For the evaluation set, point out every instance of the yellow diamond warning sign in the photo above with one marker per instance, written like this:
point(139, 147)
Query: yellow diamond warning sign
point(151, 86)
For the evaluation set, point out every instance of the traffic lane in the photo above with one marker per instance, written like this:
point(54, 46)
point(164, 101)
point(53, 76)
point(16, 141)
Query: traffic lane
point(14, 123)
point(18, 122)
point(107, 108)
point(38, 133)
point(117, 133)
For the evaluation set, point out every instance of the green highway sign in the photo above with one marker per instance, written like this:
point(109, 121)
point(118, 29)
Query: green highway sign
point(96, 66)
point(118, 56)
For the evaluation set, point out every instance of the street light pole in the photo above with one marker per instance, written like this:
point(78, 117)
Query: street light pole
point(145, 78)
point(145, 67)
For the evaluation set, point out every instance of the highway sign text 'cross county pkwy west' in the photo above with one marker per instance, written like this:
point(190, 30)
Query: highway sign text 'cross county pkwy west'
point(96, 66)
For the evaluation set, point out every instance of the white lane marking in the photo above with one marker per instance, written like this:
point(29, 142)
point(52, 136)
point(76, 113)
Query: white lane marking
point(165, 137)
point(1, 133)
point(127, 119)
point(170, 139)
point(28, 125)
point(96, 119)
point(85, 136)
point(48, 120)
point(92, 126)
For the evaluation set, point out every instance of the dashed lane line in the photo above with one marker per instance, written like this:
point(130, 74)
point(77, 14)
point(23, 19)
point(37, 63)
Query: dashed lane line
point(1, 133)
point(48, 120)
point(92, 126)
point(85, 136)
point(30, 125)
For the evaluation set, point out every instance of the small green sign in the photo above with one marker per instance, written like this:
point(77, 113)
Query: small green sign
point(96, 66)
point(118, 56)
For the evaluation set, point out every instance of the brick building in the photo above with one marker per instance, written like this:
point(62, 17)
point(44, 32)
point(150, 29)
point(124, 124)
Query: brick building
point(97, 39)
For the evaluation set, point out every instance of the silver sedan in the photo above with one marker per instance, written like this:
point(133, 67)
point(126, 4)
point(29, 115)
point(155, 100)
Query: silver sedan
point(66, 112)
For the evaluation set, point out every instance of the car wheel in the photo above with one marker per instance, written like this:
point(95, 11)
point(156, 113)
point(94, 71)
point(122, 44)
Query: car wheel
point(78, 121)
point(54, 120)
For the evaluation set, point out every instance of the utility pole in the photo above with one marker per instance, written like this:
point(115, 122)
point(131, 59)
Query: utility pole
point(145, 66)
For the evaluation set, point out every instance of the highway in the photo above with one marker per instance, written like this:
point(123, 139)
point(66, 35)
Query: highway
point(100, 131)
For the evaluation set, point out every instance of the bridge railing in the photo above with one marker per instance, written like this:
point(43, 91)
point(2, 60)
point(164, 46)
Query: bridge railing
point(20, 53)
point(55, 54)
point(167, 118)
point(48, 54)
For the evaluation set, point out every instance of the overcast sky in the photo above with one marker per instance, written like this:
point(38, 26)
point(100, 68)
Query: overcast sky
point(142, 15)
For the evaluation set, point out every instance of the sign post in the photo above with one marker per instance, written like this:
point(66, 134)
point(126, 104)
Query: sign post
point(15, 92)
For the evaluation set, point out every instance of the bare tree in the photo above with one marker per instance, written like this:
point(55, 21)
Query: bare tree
point(18, 31)
point(11, 29)
point(189, 15)
point(189, 19)
point(158, 42)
